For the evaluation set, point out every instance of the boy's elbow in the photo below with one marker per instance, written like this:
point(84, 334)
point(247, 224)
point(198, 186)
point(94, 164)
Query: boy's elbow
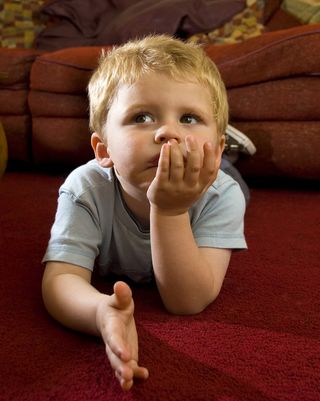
point(184, 311)
point(189, 308)
point(48, 296)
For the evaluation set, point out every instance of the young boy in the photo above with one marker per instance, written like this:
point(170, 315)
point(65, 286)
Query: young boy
point(153, 204)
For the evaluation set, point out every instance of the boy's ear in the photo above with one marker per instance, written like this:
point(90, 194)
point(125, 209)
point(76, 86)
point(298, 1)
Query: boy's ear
point(220, 149)
point(100, 151)
point(222, 143)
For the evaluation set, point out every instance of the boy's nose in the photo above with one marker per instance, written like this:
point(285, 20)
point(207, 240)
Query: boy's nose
point(167, 132)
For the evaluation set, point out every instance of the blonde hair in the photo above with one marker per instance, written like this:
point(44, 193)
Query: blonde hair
point(155, 53)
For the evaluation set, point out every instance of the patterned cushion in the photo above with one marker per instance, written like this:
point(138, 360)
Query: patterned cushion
point(244, 25)
point(20, 22)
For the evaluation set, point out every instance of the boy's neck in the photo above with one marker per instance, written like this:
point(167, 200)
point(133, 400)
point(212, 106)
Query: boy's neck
point(138, 206)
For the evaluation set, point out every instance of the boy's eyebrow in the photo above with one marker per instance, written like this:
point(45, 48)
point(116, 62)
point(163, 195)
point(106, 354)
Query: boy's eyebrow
point(138, 107)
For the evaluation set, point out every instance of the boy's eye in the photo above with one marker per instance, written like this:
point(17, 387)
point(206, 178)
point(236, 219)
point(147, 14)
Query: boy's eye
point(143, 118)
point(189, 119)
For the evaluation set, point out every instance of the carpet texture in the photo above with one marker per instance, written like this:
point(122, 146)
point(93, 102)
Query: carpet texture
point(260, 341)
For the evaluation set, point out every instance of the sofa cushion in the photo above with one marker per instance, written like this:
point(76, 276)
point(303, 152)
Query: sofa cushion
point(18, 133)
point(69, 70)
point(15, 66)
point(13, 101)
point(273, 55)
point(20, 22)
point(284, 99)
point(270, 56)
point(270, 79)
point(97, 22)
point(48, 104)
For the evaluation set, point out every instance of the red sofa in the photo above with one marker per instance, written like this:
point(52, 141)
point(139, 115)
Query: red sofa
point(273, 86)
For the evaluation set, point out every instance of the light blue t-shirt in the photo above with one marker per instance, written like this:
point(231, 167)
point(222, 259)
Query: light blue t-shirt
point(93, 226)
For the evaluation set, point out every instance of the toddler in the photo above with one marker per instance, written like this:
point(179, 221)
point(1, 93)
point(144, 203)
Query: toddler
point(153, 204)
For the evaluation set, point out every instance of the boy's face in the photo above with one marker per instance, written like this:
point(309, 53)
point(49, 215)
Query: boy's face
point(149, 113)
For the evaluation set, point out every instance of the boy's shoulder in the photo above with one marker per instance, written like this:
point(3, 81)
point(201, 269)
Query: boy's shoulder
point(224, 193)
point(88, 178)
point(224, 183)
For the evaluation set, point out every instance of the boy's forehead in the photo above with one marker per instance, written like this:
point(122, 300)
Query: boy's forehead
point(157, 80)
point(152, 89)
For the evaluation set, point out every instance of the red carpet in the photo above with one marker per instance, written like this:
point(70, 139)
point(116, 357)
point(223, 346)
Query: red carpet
point(260, 341)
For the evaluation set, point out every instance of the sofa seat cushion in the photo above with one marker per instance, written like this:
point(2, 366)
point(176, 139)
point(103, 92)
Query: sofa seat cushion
point(284, 99)
point(60, 142)
point(17, 129)
point(285, 149)
point(16, 121)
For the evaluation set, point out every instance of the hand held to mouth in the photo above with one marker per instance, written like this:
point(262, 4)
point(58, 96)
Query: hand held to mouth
point(180, 181)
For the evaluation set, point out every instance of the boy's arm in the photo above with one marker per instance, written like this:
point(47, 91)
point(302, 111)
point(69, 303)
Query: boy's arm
point(73, 301)
point(69, 296)
point(188, 277)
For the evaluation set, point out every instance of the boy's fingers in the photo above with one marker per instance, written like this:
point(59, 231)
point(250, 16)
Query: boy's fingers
point(209, 157)
point(118, 365)
point(114, 333)
point(115, 345)
point(210, 169)
point(163, 169)
point(122, 296)
point(193, 165)
point(126, 385)
point(176, 162)
point(125, 380)
point(141, 373)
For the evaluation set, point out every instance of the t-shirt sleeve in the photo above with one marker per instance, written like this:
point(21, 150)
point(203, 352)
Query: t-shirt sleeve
point(75, 234)
point(218, 220)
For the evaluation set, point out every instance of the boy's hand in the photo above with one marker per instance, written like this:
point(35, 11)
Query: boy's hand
point(179, 181)
point(117, 328)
